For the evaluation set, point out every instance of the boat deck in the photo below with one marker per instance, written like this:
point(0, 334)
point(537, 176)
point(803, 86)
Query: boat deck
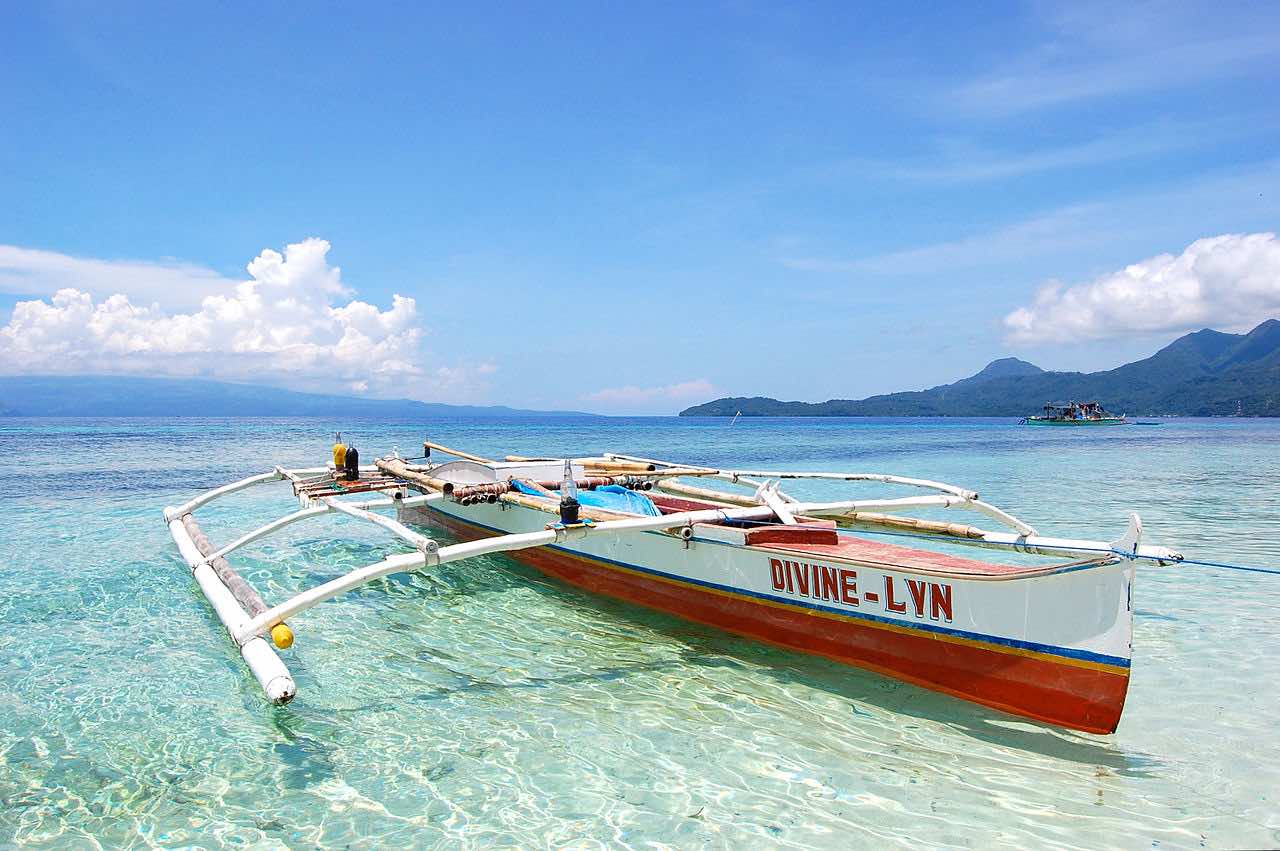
point(819, 538)
point(896, 556)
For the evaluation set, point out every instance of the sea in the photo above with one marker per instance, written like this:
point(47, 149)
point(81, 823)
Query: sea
point(483, 705)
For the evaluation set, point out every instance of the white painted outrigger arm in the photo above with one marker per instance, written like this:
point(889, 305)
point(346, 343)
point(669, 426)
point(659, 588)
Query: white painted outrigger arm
point(740, 477)
point(263, 661)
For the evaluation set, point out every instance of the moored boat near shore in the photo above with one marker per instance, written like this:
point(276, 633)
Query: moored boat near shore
point(1048, 641)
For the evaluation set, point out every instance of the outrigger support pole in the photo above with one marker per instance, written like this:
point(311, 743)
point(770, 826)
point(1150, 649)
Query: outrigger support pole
point(741, 477)
point(432, 555)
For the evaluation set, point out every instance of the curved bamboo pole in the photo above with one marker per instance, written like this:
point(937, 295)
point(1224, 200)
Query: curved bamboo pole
point(672, 486)
point(398, 467)
point(458, 453)
point(172, 513)
point(734, 475)
point(433, 555)
point(267, 529)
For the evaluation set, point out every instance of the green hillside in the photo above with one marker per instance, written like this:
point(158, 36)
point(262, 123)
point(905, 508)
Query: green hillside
point(1207, 373)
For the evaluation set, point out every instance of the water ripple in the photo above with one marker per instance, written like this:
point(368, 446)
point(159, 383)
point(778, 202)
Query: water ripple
point(485, 705)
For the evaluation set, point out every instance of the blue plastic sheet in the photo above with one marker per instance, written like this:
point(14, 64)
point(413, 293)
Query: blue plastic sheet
point(608, 497)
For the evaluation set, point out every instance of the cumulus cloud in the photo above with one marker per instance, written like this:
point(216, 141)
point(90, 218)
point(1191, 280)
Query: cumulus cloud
point(285, 323)
point(1229, 282)
point(631, 396)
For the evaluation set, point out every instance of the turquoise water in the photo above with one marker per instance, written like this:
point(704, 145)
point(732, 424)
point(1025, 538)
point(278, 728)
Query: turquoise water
point(485, 705)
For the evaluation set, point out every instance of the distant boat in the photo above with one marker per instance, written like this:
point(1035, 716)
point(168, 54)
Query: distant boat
point(1075, 414)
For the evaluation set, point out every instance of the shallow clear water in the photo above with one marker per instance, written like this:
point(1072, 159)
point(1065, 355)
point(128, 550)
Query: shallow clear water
point(486, 705)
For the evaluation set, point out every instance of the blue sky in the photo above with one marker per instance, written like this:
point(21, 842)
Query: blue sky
point(630, 207)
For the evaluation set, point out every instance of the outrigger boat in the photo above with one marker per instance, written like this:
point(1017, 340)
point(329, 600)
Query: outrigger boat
point(1051, 642)
point(1075, 414)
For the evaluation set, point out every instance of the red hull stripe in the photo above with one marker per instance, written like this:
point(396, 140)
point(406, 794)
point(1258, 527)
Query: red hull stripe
point(1060, 655)
point(1039, 686)
point(1068, 655)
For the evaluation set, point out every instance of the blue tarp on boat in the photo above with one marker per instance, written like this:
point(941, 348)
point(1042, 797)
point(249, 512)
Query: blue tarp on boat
point(608, 497)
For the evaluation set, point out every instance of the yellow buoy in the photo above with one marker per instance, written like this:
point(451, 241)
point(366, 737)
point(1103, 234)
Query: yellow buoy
point(282, 636)
point(339, 454)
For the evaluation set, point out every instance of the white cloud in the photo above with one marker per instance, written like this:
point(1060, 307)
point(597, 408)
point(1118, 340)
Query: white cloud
point(1103, 50)
point(1215, 201)
point(33, 272)
point(631, 396)
point(282, 325)
point(1049, 231)
point(1230, 282)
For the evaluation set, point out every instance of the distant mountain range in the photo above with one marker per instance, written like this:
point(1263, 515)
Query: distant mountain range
point(1207, 373)
point(106, 396)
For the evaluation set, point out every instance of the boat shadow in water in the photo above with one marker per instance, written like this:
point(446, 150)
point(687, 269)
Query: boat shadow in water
point(877, 698)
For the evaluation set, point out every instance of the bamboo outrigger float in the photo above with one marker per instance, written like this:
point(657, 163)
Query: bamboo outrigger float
point(1050, 642)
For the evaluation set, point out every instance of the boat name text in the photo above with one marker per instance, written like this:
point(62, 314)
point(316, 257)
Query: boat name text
point(902, 596)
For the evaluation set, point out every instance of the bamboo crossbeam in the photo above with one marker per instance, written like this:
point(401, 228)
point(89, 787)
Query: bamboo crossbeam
point(971, 496)
point(549, 505)
point(397, 467)
point(630, 466)
point(672, 486)
point(457, 452)
point(668, 471)
point(393, 526)
point(657, 462)
point(617, 464)
point(884, 478)
point(912, 524)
